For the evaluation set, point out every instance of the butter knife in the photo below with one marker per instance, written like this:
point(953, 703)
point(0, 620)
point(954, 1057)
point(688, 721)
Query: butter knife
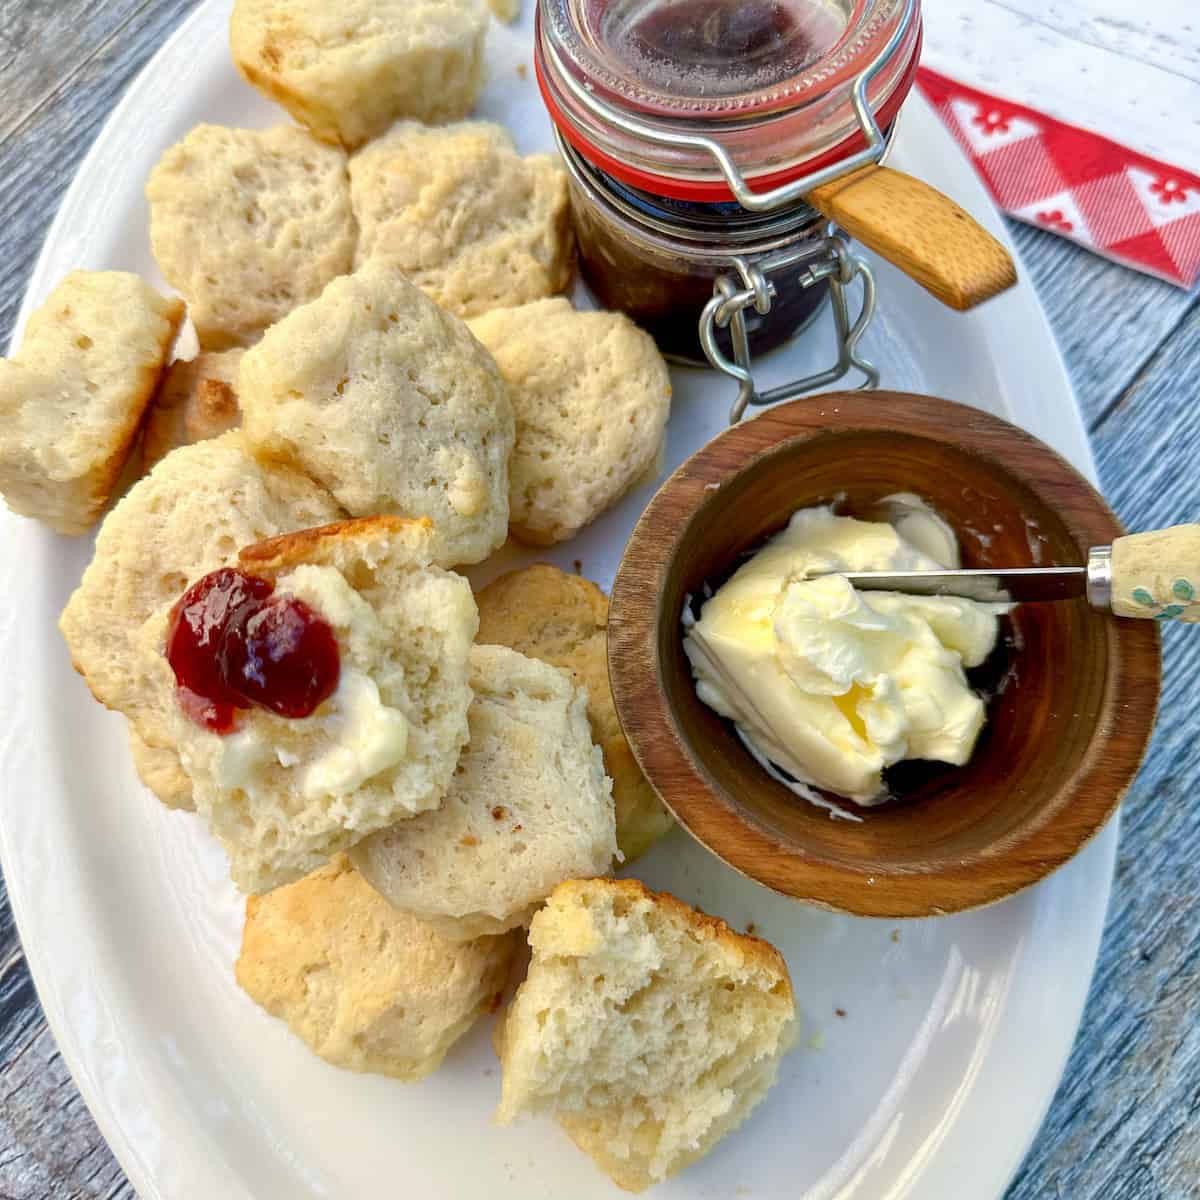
point(1153, 575)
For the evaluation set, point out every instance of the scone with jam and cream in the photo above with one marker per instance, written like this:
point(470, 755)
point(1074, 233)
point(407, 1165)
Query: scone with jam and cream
point(187, 517)
point(322, 691)
point(834, 685)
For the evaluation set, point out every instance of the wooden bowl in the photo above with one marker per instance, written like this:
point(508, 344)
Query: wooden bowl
point(1063, 739)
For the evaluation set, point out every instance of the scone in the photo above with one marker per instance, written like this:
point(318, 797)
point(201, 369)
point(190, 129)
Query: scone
point(248, 224)
point(641, 816)
point(528, 807)
point(364, 986)
point(186, 518)
point(591, 396)
point(562, 619)
point(282, 790)
point(391, 404)
point(159, 769)
point(648, 1029)
point(196, 400)
point(73, 396)
point(457, 209)
point(348, 70)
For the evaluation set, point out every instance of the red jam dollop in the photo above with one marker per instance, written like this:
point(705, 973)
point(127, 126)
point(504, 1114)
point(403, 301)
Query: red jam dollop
point(233, 644)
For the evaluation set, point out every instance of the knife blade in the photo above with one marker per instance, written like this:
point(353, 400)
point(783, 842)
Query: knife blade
point(1010, 585)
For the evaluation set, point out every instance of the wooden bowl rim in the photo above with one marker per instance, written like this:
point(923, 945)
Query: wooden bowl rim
point(662, 751)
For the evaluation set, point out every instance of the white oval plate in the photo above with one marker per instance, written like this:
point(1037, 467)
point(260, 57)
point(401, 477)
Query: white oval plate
point(930, 1050)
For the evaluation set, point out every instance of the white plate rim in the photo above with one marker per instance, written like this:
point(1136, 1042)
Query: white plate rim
point(73, 1048)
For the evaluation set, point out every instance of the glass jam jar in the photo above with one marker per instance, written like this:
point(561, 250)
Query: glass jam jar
point(658, 259)
point(692, 130)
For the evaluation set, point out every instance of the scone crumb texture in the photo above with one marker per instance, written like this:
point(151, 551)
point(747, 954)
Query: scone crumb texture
point(648, 1029)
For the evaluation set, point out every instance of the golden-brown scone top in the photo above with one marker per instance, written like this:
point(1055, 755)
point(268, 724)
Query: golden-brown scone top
point(529, 806)
point(247, 224)
point(196, 400)
point(562, 619)
point(73, 396)
point(353, 546)
point(591, 395)
point(349, 69)
point(365, 986)
point(473, 224)
point(390, 403)
point(648, 1029)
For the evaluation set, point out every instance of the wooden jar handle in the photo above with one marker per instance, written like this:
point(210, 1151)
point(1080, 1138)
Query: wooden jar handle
point(1157, 574)
point(921, 231)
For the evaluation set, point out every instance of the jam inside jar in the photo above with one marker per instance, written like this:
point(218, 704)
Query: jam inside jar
point(692, 130)
point(722, 48)
point(662, 274)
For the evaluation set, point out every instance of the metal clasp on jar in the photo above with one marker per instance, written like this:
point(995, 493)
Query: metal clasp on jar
point(828, 259)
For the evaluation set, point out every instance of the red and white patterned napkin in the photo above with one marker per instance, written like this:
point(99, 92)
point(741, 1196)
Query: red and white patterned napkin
point(1124, 205)
point(1121, 202)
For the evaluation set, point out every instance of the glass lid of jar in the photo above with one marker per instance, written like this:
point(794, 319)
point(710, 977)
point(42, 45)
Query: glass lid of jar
point(709, 55)
point(770, 81)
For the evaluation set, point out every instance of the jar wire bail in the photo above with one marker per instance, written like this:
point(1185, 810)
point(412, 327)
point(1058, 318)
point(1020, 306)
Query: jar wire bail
point(828, 259)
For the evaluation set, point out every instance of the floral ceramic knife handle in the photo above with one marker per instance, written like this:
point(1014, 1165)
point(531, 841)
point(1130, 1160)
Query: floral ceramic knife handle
point(1158, 574)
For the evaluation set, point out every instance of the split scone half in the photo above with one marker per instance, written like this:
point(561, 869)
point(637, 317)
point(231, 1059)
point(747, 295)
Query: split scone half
point(73, 396)
point(282, 793)
point(366, 987)
point(591, 396)
point(647, 1029)
point(196, 400)
point(390, 404)
point(247, 224)
point(562, 619)
point(470, 221)
point(528, 807)
point(349, 69)
point(188, 517)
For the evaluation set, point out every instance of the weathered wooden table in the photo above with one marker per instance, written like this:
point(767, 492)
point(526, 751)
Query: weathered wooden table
point(1125, 1123)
